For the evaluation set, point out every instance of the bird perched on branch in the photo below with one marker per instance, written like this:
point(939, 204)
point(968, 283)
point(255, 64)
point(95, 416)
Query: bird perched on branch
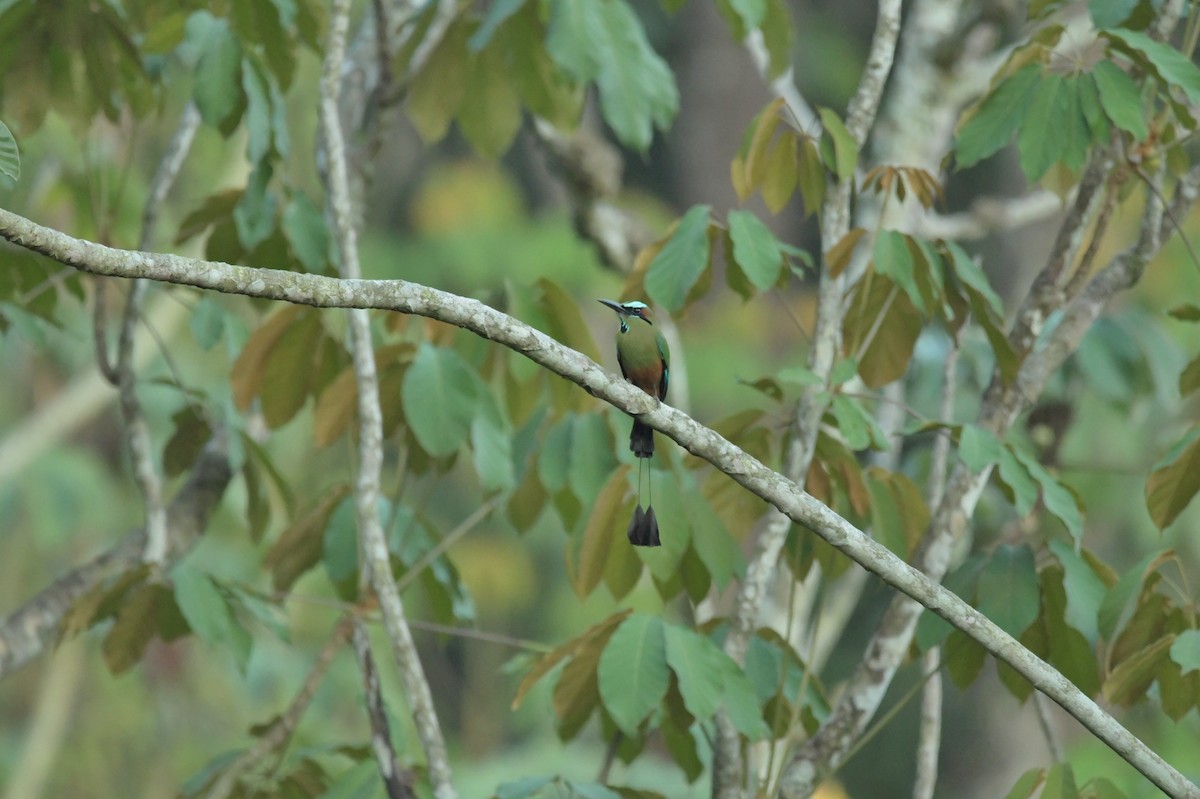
point(646, 362)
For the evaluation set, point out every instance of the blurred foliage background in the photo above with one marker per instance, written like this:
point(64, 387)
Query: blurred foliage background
point(441, 215)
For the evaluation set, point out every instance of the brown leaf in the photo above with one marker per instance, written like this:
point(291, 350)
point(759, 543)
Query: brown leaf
point(838, 256)
point(248, 371)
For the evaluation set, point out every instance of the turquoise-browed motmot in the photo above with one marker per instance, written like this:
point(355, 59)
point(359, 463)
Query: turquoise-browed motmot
point(646, 362)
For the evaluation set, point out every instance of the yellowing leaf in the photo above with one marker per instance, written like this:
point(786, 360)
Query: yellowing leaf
point(1129, 681)
point(249, 369)
point(436, 92)
point(491, 112)
point(603, 533)
point(837, 258)
point(1172, 486)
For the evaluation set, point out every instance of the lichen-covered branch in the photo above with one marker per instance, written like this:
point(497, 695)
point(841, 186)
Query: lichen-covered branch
point(27, 632)
point(373, 542)
point(705, 443)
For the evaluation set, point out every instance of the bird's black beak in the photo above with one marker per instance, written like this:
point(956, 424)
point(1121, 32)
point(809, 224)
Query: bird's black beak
point(616, 306)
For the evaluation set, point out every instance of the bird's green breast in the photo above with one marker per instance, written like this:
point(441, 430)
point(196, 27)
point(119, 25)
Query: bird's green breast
point(644, 356)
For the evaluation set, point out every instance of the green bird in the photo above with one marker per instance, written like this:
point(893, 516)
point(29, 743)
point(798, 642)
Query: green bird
point(645, 361)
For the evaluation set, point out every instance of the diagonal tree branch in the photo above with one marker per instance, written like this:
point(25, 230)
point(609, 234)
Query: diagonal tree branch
point(28, 631)
point(747, 471)
point(372, 541)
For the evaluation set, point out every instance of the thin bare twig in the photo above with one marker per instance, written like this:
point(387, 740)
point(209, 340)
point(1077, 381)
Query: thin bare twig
point(373, 543)
point(137, 431)
point(397, 781)
point(929, 736)
point(464, 527)
point(284, 726)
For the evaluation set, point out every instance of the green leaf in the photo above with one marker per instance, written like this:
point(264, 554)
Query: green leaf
point(963, 658)
point(972, 275)
point(1058, 498)
point(751, 12)
point(1008, 589)
point(632, 672)
point(852, 422)
point(498, 12)
point(491, 449)
point(1130, 680)
point(799, 374)
point(523, 788)
point(1185, 313)
point(436, 92)
point(756, 249)
point(254, 214)
point(217, 86)
point(978, 448)
point(717, 549)
point(258, 112)
point(1026, 784)
point(1172, 66)
point(1173, 484)
point(490, 114)
point(360, 781)
point(306, 232)
point(604, 534)
point(1084, 588)
point(887, 323)
point(136, 621)
point(891, 257)
point(590, 458)
point(681, 261)
point(207, 322)
point(1121, 99)
point(340, 550)
point(741, 702)
point(997, 118)
point(698, 667)
point(845, 150)
point(208, 614)
point(287, 372)
point(1189, 378)
point(1074, 130)
point(602, 40)
point(1060, 783)
point(1186, 650)
point(10, 157)
point(592, 790)
point(1049, 107)
point(811, 176)
point(440, 394)
point(1109, 13)
point(1022, 485)
point(1119, 604)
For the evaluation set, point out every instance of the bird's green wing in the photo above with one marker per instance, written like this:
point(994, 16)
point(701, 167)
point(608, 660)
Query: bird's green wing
point(664, 352)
